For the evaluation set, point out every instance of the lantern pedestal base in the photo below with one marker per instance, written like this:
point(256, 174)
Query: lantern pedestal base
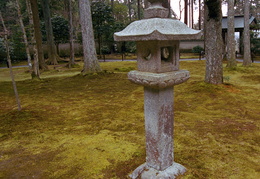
point(147, 172)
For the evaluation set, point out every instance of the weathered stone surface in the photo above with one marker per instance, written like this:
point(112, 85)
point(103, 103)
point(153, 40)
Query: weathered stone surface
point(150, 56)
point(156, 12)
point(157, 29)
point(149, 173)
point(158, 109)
point(159, 80)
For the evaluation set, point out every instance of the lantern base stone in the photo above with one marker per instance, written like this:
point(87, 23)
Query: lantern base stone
point(146, 172)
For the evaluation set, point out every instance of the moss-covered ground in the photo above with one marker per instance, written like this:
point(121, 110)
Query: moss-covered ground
point(74, 126)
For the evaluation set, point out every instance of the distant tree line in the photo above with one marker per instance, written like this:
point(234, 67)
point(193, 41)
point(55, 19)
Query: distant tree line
point(52, 22)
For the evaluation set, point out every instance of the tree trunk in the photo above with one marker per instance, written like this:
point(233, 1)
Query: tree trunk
point(192, 14)
point(24, 35)
point(199, 14)
point(72, 53)
point(181, 9)
point(10, 63)
point(36, 72)
point(37, 34)
point(213, 42)
point(186, 12)
point(52, 53)
point(129, 10)
point(171, 12)
point(146, 4)
point(90, 56)
point(231, 43)
point(139, 9)
point(246, 39)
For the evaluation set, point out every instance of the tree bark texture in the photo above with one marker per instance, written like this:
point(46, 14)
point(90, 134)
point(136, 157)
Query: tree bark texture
point(91, 63)
point(186, 12)
point(52, 52)
point(231, 43)
point(246, 38)
point(10, 63)
point(213, 42)
point(37, 34)
point(199, 15)
point(36, 71)
point(192, 14)
point(72, 53)
point(139, 9)
point(146, 4)
point(24, 35)
point(129, 10)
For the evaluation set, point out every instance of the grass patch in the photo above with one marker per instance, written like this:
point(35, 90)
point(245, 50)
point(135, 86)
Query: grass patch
point(92, 126)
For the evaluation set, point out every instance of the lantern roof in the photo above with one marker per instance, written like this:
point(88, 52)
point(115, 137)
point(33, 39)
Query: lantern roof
point(157, 29)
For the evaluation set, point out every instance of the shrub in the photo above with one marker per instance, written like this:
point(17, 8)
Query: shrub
point(197, 49)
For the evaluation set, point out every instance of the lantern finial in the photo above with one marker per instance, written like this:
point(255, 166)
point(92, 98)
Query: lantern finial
point(158, 8)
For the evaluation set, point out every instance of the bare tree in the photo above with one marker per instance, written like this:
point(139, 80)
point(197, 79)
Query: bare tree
point(231, 43)
point(129, 10)
point(139, 9)
point(246, 38)
point(199, 15)
point(90, 57)
point(213, 42)
point(24, 34)
point(52, 51)
point(37, 34)
point(36, 71)
point(70, 15)
point(10, 63)
point(186, 12)
point(181, 9)
point(192, 14)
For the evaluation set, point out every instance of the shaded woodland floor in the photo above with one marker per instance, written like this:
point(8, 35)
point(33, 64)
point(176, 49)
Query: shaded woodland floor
point(74, 126)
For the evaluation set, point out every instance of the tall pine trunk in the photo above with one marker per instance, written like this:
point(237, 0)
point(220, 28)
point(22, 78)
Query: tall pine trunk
point(213, 42)
point(246, 38)
point(139, 9)
point(231, 43)
point(10, 63)
point(52, 52)
point(24, 35)
point(37, 34)
point(36, 71)
point(91, 63)
point(70, 15)
point(186, 12)
point(192, 13)
point(199, 15)
point(129, 10)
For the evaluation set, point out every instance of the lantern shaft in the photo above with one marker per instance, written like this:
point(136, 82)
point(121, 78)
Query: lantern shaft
point(159, 127)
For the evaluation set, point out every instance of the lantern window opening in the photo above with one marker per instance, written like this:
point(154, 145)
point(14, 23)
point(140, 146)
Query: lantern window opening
point(167, 54)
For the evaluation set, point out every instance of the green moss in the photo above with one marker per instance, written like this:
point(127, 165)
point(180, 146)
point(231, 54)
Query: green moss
point(75, 126)
point(124, 69)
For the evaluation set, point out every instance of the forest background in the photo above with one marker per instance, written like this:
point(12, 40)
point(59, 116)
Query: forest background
point(108, 17)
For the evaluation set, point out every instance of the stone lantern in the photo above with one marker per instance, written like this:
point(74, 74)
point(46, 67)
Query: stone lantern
point(157, 39)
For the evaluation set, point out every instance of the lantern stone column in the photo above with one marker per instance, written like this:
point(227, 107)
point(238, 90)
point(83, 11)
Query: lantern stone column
point(157, 40)
point(158, 107)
